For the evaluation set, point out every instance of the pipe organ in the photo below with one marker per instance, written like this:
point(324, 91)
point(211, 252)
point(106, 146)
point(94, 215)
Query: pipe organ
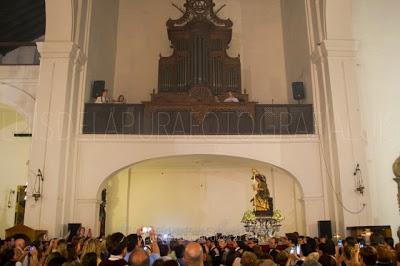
point(199, 40)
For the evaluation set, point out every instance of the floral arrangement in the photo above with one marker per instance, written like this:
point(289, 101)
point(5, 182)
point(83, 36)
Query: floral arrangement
point(249, 216)
point(278, 216)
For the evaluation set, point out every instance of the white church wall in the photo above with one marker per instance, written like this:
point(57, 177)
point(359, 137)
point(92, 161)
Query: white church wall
point(297, 47)
point(257, 37)
point(18, 85)
point(14, 154)
point(375, 26)
point(102, 44)
point(196, 195)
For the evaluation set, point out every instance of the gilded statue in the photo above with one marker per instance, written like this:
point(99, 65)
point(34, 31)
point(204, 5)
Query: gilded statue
point(261, 192)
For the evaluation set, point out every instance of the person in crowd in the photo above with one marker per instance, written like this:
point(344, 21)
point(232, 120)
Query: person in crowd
point(89, 259)
point(292, 242)
point(89, 251)
point(139, 257)
point(164, 251)
point(282, 258)
point(82, 230)
point(72, 256)
point(179, 250)
point(368, 256)
point(389, 242)
point(398, 254)
point(311, 263)
point(398, 237)
point(56, 260)
point(103, 98)
point(116, 246)
point(308, 247)
point(62, 248)
point(249, 259)
point(214, 252)
point(385, 256)
point(231, 98)
point(132, 243)
point(377, 239)
point(273, 245)
point(91, 246)
point(349, 241)
point(171, 263)
point(223, 249)
point(345, 259)
point(328, 252)
point(193, 254)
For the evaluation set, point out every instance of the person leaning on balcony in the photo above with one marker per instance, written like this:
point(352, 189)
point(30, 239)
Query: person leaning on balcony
point(231, 98)
point(103, 98)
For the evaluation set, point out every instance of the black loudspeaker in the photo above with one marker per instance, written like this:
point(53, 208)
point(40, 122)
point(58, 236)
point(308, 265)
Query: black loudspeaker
point(298, 90)
point(73, 230)
point(98, 87)
point(325, 229)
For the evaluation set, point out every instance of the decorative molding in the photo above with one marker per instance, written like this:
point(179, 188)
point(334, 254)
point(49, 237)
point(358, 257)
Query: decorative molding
point(335, 48)
point(87, 201)
point(199, 10)
point(61, 50)
point(316, 55)
point(313, 198)
point(20, 73)
point(198, 139)
point(339, 48)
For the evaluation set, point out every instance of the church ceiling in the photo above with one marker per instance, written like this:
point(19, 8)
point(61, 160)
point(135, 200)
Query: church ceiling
point(21, 21)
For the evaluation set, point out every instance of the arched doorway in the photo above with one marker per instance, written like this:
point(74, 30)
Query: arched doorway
point(14, 156)
point(192, 195)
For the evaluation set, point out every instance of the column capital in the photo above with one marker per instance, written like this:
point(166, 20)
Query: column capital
point(61, 50)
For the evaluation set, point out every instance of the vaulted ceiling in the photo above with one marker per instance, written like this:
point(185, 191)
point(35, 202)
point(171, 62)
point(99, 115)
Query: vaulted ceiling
point(21, 21)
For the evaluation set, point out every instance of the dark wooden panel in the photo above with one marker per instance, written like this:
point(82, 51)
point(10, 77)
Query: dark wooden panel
point(294, 119)
point(113, 119)
point(133, 119)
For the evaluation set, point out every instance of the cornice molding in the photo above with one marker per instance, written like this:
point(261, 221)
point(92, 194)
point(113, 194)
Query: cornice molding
point(61, 50)
point(243, 139)
point(335, 48)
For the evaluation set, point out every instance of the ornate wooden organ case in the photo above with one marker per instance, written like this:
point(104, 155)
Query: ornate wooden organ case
point(200, 40)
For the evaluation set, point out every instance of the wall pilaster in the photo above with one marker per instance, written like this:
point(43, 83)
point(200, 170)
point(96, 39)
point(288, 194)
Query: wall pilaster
point(53, 134)
point(342, 144)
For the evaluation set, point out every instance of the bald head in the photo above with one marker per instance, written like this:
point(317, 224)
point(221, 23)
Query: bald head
point(194, 254)
point(19, 243)
point(139, 257)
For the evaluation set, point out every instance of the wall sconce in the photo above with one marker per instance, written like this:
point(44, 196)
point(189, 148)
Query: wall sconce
point(9, 204)
point(359, 180)
point(37, 188)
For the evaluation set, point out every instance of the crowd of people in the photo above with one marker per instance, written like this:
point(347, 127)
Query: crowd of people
point(152, 250)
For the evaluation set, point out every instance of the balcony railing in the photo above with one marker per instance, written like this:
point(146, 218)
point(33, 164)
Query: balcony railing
point(134, 119)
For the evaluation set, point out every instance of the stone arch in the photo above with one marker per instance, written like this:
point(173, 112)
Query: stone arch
point(293, 204)
point(20, 100)
point(110, 175)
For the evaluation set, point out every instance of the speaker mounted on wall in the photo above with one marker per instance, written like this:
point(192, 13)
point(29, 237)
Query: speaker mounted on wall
point(97, 88)
point(325, 229)
point(73, 230)
point(298, 91)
